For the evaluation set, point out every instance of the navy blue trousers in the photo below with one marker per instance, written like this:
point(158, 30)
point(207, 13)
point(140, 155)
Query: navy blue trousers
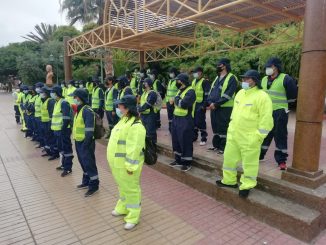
point(149, 122)
point(280, 135)
point(182, 135)
point(86, 157)
point(200, 122)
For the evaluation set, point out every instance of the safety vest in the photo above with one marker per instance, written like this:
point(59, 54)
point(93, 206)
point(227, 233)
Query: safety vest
point(96, 98)
point(64, 92)
point(89, 87)
point(45, 117)
point(31, 101)
point(180, 112)
point(155, 85)
point(143, 100)
point(198, 87)
point(224, 87)
point(38, 106)
point(79, 125)
point(117, 154)
point(69, 98)
point(57, 117)
point(19, 98)
point(25, 98)
point(172, 90)
point(133, 85)
point(109, 99)
point(276, 92)
point(122, 93)
point(16, 97)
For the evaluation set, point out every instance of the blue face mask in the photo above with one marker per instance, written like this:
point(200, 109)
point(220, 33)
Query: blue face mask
point(77, 102)
point(245, 85)
point(25, 91)
point(53, 96)
point(119, 113)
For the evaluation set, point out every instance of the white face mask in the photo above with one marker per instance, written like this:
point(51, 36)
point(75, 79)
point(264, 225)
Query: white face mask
point(77, 102)
point(43, 95)
point(81, 86)
point(25, 91)
point(245, 85)
point(53, 96)
point(142, 75)
point(38, 90)
point(151, 77)
point(69, 86)
point(62, 85)
point(269, 71)
point(119, 113)
point(172, 75)
point(195, 75)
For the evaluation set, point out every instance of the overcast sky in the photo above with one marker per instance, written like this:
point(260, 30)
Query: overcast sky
point(18, 17)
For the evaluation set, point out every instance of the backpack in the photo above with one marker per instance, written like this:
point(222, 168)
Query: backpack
point(99, 130)
point(150, 153)
point(159, 102)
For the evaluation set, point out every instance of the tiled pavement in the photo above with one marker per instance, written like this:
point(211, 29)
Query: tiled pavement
point(37, 206)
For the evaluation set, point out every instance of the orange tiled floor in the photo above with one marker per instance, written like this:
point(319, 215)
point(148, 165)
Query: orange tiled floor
point(37, 206)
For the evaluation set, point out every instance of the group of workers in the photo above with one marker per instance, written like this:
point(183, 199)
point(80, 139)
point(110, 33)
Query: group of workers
point(245, 117)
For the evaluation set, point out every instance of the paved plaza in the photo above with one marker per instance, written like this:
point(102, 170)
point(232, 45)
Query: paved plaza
point(37, 206)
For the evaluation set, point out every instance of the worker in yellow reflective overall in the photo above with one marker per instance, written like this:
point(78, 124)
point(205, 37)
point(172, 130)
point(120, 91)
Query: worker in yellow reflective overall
point(251, 121)
point(126, 158)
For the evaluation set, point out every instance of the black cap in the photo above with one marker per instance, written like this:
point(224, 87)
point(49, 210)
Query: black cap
point(39, 85)
point(197, 69)
point(149, 82)
point(129, 101)
point(46, 89)
point(58, 90)
point(183, 77)
point(81, 94)
point(274, 61)
point(223, 61)
point(254, 75)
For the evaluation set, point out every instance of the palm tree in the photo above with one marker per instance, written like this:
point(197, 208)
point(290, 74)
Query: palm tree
point(43, 33)
point(84, 11)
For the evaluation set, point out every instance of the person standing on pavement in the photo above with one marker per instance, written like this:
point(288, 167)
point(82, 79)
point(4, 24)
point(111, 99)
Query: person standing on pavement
point(37, 108)
point(30, 113)
point(282, 90)
point(142, 77)
point(23, 104)
point(183, 123)
point(17, 97)
point(46, 116)
point(172, 91)
point(89, 88)
point(61, 126)
point(69, 92)
point(123, 87)
point(251, 121)
point(126, 158)
point(83, 134)
point(64, 89)
point(147, 110)
point(220, 101)
point(111, 95)
point(134, 82)
point(159, 88)
point(201, 87)
point(98, 98)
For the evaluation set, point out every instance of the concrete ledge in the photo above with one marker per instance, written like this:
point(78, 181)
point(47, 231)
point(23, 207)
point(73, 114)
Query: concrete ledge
point(313, 180)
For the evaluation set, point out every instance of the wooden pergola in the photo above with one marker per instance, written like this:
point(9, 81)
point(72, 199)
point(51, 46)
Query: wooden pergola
point(154, 30)
point(165, 29)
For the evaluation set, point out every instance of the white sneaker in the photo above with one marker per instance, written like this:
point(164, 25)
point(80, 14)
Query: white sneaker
point(129, 226)
point(202, 143)
point(116, 214)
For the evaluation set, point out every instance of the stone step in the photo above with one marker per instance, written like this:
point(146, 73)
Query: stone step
point(286, 215)
point(313, 198)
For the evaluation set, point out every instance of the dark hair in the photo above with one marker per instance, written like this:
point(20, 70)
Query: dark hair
point(133, 113)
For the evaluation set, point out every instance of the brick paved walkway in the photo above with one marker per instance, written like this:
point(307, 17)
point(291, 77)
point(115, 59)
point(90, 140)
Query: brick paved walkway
point(37, 206)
